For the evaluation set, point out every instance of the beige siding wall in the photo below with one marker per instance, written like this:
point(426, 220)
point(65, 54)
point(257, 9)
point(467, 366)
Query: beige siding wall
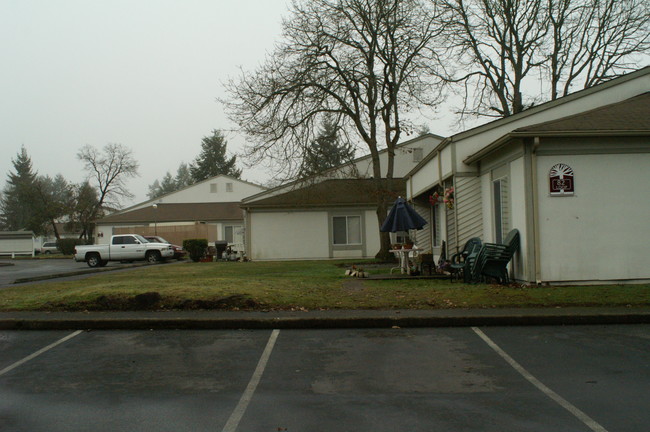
point(469, 207)
point(423, 236)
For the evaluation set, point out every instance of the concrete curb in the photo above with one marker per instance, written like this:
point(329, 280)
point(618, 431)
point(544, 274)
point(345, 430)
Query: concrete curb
point(319, 319)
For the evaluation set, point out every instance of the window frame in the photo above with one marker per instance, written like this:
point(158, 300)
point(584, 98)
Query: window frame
point(347, 217)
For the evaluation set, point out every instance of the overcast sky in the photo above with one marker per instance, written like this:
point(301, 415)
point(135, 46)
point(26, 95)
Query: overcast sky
point(142, 73)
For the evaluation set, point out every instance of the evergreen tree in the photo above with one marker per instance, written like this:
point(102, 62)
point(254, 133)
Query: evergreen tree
point(170, 184)
point(160, 188)
point(19, 209)
point(56, 197)
point(212, 160)
point(326, 151)
point(183, 176)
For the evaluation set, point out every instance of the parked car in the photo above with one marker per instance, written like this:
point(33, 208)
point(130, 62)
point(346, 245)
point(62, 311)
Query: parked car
point(125, 247)
point(179, 252)
point(49, 248)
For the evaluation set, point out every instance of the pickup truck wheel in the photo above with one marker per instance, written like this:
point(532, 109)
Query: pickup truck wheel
point(93, 260)
point(153, 257)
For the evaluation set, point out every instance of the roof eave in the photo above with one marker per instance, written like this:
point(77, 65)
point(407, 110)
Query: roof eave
point(496, 145)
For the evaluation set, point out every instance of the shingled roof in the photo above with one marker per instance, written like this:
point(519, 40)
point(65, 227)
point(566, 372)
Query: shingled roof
point(630, 115)
point(179, 213)
point(332, 193)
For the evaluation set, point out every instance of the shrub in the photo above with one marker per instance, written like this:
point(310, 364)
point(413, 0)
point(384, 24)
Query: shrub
point(196, 248)
point(67, 245)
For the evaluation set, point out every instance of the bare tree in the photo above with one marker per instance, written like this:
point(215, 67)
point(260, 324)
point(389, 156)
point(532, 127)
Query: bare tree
point(505, 47)
point(363, 63)
point(108, 170)
point(594, 40)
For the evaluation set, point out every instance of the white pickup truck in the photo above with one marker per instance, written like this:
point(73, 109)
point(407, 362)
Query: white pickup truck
point(123, 247)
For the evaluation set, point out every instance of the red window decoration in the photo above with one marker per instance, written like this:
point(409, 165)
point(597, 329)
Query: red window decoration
point(561, 181)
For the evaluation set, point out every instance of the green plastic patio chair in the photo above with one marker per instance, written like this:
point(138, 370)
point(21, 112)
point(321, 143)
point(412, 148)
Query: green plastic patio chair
point(493, 258)
point(460, 263)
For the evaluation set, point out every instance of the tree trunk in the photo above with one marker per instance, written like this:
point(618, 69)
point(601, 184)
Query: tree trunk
point(384, 237)
point(56, 232)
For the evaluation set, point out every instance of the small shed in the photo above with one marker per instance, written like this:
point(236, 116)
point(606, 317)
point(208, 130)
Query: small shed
point(16, 243)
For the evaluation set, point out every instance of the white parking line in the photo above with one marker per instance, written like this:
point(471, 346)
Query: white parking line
point(238, 413)
point(39, 352)
point(591, 423)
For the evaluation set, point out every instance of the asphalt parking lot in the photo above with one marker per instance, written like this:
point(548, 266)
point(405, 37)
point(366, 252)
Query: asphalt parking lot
point(568, 378)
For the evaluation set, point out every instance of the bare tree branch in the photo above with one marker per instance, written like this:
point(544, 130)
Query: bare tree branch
point(365, 61)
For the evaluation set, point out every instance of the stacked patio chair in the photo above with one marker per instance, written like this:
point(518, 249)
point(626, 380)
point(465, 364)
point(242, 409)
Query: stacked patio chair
point(461, 262)
point(492, 259)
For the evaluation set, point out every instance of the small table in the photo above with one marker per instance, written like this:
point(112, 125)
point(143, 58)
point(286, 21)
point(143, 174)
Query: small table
point(403, 257)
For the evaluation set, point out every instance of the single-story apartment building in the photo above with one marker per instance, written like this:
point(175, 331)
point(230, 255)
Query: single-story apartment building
point(208, 209)
point(334, 218)
point(571, 175)
point(332, 215)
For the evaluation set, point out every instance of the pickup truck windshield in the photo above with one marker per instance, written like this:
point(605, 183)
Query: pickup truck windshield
point(142, 239)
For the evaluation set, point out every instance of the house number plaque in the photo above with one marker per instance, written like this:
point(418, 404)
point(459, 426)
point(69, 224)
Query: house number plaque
point(561, 180)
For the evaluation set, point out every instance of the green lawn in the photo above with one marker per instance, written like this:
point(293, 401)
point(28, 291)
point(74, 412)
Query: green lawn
point(287, 285)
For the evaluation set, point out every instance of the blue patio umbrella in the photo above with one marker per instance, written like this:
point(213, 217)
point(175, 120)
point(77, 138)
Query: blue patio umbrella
point(402, 217)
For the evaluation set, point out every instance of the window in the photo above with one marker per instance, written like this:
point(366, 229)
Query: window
point(417, 155)
point(401, 237)
point(233, 233)
point(436, 231)
point(118, 240)
point(213, 188)
point(228, 235)
point(346, 230)
point(228, 187)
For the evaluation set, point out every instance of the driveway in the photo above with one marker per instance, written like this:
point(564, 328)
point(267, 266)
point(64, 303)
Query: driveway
point(488, 379)
point(11, 270)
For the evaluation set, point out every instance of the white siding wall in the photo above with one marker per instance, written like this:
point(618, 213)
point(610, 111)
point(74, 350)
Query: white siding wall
point(300, 235)
point(373, 243)
point(424, 179)
point(23, 246)
point(602, 232)
point(289, 235)
point(201, 192)
point(518, 215)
